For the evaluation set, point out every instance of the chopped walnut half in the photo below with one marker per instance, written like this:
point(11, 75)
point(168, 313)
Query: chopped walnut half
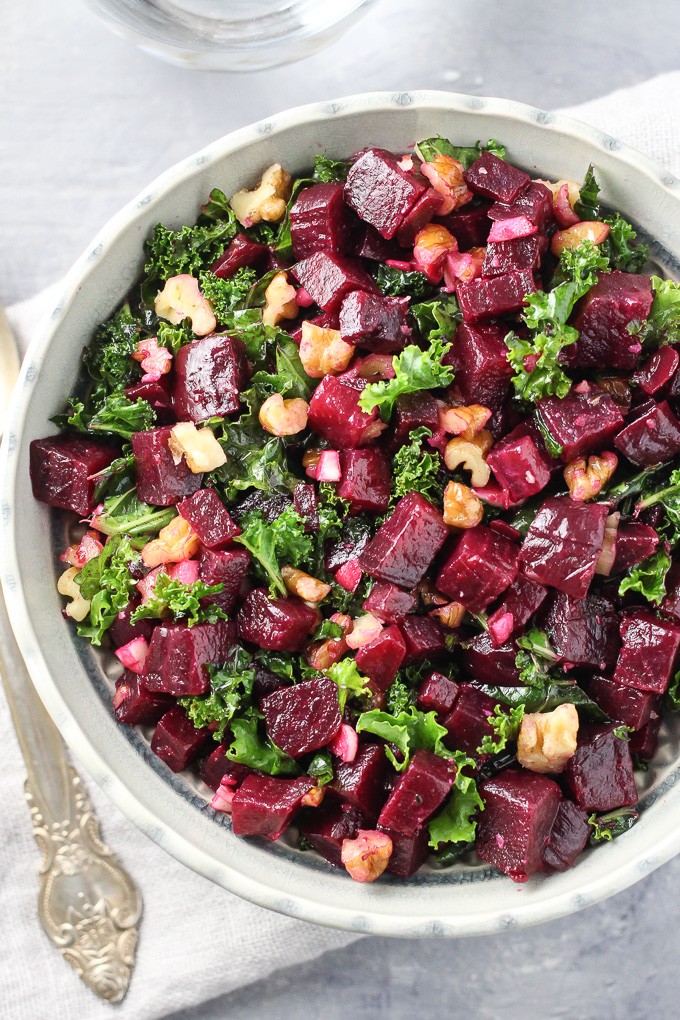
point(279, 301)
point(283, 417)
point(314, 797)
point(265, 202)
point(445, 174)
point(466, 422)
point(176, 542)
point(587, 230)
point(78, 607)
point(199, 447)
point(462, 508)
point(181, 299)
point(547, 740)
point(450, 615)
point(432, 244)
point(323, 351)
point(585, 478)
point(367, 856)
point(306, 587)
point(470, 454)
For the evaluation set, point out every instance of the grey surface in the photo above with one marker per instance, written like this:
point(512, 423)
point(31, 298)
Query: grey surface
point(85, 122)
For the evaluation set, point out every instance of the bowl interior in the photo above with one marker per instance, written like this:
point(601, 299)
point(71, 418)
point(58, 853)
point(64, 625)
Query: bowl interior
point(76, 683)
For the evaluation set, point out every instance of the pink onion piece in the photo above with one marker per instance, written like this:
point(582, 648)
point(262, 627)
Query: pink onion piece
point(501, 629)
point(564, 214)
point(366, 629)
point(224, 795)
point(606, 558)
point(349, 575)
point(345, 743)
point(328, 468)
point(405, 267)
point(133, 654)
point(147, 584)
point(303, 298)
point(508, 230)
point(185, 571)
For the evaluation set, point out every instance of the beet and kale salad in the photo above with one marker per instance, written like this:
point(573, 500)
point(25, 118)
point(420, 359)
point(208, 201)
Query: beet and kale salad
point(375, 476)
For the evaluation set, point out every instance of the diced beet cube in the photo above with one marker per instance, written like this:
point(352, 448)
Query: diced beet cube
point(227, 567)
point(362, 782)
point(380, 192)
point(520, 253)
point(602, 318)
point(349, 575)
point(652, 438)
point(644, 743)
point(265, 805)
point(563, 544)
point(281, 625)
point(425, 638)
point(490, 665)
point(519, 467)
point(326, 320)
point(366, 480)
point(649, 646)
point(405, 545)
point(179, 655)
point(306, 505)
point(494, 178)
point(389, 603)
point(266, 682)
point(514, 829)
point(427, 206)
point(481, 565)
point(658, 370)
point(568, 837)
point(157, 393)
point(469, 225)
point(176, 741)
point(367, 243)
point(134, 705)
point(412, 410)
point(417, 793)
point(494, 296)
point(480, 358)
point(408, 852)
point(584, 632)
point(600, 773)
point(581, 422)
point(303, 717)
point(381, 659)
point(62, 467)
point(634, 543)
point(468, 721)
point(535, 202)
point(209, 518)
point(327, 278)
point(335, 414)
point(437, 694)
point(522, 599)
point(671, 603)
point(209, 375)
point(216, 765)
point(122, 630)
point(374, 321)
point(159, 480)
point(622, 704)
point(326, 828)
point(319, 221)
point(241, 253)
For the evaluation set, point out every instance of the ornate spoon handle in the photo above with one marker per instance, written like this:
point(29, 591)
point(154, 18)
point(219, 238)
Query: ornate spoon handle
point(88, 904)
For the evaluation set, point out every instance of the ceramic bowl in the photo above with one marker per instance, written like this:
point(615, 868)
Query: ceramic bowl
point(75, 683)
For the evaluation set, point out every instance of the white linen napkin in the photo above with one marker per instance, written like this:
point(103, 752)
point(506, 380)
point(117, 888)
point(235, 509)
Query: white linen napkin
point(198, 941)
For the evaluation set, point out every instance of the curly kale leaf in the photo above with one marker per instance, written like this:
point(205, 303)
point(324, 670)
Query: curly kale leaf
point(409, 731)
point(108, 584)
point(437, 319)
point(190, 249)
point(505, 729)
point(456, 822)
point(231, 689)
point(225, 296)
point(108, 358)
point(403, 283)
point(330, 171)
point(588, 205)
point(620, 246)
point(284, 541)
point(116, 415)
point(648, 578)
point(251, 746)
point(430, 148)
point(415, 370)
point(663, 324)
point(614, 823)
point(173, 598)
point(414, 470)
point(351, 683)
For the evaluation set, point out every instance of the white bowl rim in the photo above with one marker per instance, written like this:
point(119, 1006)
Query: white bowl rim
point(629, 867)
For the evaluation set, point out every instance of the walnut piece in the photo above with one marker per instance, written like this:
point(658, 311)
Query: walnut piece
point(547, 740)
point(282, 417)
point(462, 509)
point(585, 478)
point(367, 856)
point(306, 587)
point(586, 230)
point(181, 299)
point(176, 542)
point(470, 454)
point(199, 447)
point(265, 202)
point(279, 300)
point(78, 607)
point(323, 351)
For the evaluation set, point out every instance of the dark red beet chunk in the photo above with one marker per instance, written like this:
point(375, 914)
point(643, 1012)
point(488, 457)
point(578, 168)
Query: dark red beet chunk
point(389, 603)
point(367, 243)
point(381, 659)
point(622, 704)
point(209, 518)
point(121, 630)
point(519, 467)
point(241, 253)
point(319, 221)
point(159, 480)
point(133, 704)
point(425, 638)
point(216, 765)
point(375, 322)
point(482, 564)
point(490, 665)
point(470, 225)
point(581, 422)
point(361, 783)
point(408, 852)
point(648, 651)
point(494, 296)
point(437, 694)
point(306, 505)
point(417, 793)
point(410, 411)
point(282, 625)
point(602, 318)
point(227, 567)
point(634, 543)
point(209, 375)
point(563, 544)
point(175, 740)
point(61, 471)
point(522, 599)
point(427, 206)
point(178, 656)
point(521, 253)
point(494, 178)
point(671, 603)
point(644, 743)
point(158, 394)
point(568, 837)
point(366, 480)
point(468, 721)
point(326, 828)
point(265, 806)
point(327, 278)
point(405, 545)
point(652, 438)
point(303, 717)
point(514, 829)
point(380, 192)
point(335, 414)
point(535, 203)
point(584, 632)
point(658, 370)
point(600, 773)
point(480, 358)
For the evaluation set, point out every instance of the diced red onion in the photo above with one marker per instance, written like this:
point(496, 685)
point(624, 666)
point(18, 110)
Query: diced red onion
point(345, 743)
point(133, 654)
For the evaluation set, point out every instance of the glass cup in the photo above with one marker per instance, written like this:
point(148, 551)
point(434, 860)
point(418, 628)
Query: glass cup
point(230, 35)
